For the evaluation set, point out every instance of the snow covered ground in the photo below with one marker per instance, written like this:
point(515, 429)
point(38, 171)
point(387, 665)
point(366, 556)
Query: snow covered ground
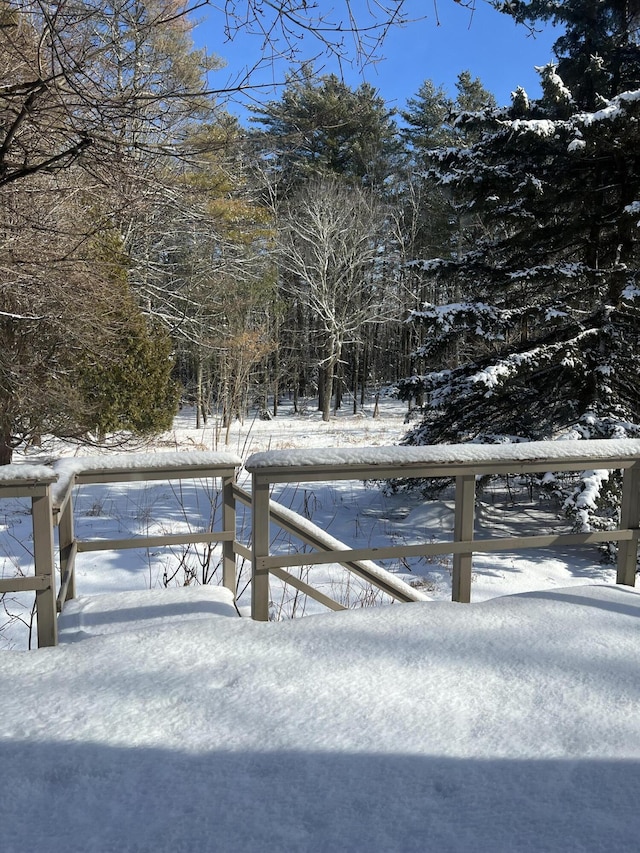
point(507, 726)
point(165, 723)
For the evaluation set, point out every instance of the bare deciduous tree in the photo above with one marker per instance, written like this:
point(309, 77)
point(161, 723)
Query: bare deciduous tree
point(87, 94)
point(348, 31)
point(329, 238)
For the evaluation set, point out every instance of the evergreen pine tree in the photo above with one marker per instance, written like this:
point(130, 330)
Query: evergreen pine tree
point(430, 221)
point(129, 388)
point(544, 333)
point(321, 125)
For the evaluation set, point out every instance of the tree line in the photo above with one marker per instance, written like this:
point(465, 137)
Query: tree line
point(482, 258)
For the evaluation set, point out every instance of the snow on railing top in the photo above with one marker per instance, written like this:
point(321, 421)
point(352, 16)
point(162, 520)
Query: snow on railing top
point(170, 459)
point(544, 451)
point(67, 468)
point(26, 471)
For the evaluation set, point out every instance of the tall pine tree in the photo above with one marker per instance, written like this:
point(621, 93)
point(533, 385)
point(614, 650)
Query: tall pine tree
point(544, 335)
point(321, 125)
point(429, 221)
point(335, 139)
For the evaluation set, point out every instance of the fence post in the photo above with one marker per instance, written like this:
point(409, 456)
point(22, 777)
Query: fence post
point(229, 525)
point(260, 577)
point(629, 520)
point(66, 539)
point(44, 568)
point(463, 532)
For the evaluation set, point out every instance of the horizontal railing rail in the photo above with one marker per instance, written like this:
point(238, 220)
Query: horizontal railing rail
point(463, 464)
point(56, 486)
point(127, 468)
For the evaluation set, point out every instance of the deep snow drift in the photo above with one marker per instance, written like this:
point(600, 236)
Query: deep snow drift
point(505, 726)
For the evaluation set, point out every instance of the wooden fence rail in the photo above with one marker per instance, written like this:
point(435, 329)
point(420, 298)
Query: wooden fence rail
point(310, 534)
point(52, 496)
point(127, 468)
point(464, 464)
point(51, 491)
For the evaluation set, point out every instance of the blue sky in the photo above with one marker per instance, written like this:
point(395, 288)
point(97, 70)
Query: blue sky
point(448, 40)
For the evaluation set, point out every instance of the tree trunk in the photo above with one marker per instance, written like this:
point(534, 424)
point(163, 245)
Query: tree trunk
point(6, 449)
point(199, 393)
point(322, 387)
point(276, 382)
point(325, 387)
point(355, 376)
point(337, 389)
point(336, 374)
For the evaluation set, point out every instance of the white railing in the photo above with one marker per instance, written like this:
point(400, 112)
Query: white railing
point(52, 489)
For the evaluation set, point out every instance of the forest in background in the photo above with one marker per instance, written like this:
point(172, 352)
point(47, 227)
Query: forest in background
point(481, 257)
